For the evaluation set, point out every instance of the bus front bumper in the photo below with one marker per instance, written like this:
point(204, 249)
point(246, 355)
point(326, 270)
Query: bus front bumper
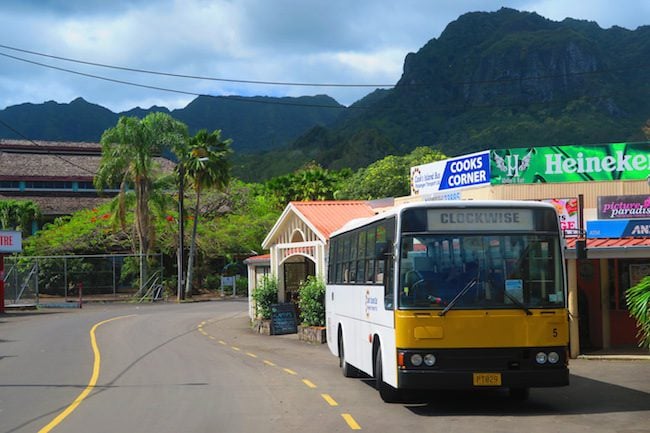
point(436, 379)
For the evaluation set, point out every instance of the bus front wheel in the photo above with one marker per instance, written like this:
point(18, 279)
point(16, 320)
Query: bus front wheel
point(386, 392)
point(347, 369)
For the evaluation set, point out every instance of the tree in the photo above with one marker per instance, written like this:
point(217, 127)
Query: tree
point(206, 165)
point(18, 215)
point(638, 303)
point(311, 182)
point(128, 151)
point(388, 177)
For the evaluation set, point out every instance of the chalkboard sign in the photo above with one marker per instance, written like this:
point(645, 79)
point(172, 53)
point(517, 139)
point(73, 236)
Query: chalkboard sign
point(283, 319)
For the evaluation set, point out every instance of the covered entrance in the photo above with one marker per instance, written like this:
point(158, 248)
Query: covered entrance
point(296, 272)
point(602, 279)
point(298, 240)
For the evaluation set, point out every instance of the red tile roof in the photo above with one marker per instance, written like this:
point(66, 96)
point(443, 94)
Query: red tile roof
point(329, 216)
point(258, 259)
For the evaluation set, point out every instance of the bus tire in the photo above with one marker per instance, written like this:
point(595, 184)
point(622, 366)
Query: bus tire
point(347, 369)
point(519, 394)
point(386, 392)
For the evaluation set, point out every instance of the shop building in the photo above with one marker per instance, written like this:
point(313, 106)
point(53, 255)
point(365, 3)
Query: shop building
point(602, 194)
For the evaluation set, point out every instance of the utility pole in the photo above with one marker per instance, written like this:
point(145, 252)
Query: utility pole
point(181, 232)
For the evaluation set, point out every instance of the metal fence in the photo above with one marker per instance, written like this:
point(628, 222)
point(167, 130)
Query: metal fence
point(66, 280)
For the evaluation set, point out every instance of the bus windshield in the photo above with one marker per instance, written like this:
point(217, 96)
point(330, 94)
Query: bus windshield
point(480, 271)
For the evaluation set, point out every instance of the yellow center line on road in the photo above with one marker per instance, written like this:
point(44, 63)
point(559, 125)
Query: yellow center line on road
point(328, 398)
point(351, 422)
point(91, 384)
point(212, 337)
point(349, 419)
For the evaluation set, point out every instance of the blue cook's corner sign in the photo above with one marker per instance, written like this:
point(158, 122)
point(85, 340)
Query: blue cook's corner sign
point(639, 228)
point(451, 174)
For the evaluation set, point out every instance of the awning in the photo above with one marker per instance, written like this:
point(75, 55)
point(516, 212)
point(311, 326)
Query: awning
point(611, 248)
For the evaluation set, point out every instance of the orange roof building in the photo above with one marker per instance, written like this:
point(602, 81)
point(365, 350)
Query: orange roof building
point(298, 243)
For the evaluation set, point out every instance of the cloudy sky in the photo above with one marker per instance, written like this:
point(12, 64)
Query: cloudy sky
point(345, 42)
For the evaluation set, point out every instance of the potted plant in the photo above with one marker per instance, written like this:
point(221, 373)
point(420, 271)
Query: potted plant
point(312, 310)
point(264, 295)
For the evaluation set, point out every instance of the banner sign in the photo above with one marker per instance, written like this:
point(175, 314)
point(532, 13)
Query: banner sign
point(11, 241)
point(451, 174)
point(567, 210)
point(616, 161)
point(623, 206)
point(621, 228)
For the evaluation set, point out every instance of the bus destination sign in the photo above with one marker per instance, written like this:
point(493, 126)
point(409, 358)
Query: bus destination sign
point(480, 219)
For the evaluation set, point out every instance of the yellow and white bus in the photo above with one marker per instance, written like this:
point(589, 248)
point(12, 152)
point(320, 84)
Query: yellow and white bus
point(451, 295)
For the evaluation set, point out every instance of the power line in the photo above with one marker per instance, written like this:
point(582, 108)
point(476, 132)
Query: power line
point(166, 89)
point(305, 84)
point(194, 77)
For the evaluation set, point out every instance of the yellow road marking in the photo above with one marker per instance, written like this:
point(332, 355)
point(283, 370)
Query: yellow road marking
point(91, 384)
point(223, 343)
point(202, 331)
point(235, 348)
point(269, 363)
point(351, 422)
point(309, 383)
point(212, 337)
point(252, 355)
point(328, 398)
point(290, 371)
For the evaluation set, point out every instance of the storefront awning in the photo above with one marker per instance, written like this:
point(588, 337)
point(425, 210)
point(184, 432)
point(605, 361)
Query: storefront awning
point(611, 248)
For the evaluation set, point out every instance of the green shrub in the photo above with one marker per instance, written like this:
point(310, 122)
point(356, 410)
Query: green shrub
point(241, 286)
point(312, 302)
point(212, 282)
point(638, 303)
point(265, 294)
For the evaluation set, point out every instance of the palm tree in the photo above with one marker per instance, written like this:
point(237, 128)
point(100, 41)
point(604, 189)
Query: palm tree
point(206, 165)
point(128, 151)
point(18, 215)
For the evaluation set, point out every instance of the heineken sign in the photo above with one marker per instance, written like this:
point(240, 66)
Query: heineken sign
point(617, 161)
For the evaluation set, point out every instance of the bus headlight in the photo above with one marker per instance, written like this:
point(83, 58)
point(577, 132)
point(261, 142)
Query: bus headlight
point(416, 359)
point(430, 359)
point(541, 358)
point(553, 357)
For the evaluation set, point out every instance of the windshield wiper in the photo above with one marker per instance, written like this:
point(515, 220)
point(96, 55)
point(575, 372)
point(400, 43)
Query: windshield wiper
point(518, 303)
point(465, 289)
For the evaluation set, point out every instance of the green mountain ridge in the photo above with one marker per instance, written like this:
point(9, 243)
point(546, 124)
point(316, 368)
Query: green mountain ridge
point(496, 80)
point(255, 123)
point(490, 80)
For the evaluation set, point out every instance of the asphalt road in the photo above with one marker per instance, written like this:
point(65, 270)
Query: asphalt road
point(198, 368)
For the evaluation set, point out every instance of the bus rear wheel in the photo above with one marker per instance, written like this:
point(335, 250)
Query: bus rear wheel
point(386, 392)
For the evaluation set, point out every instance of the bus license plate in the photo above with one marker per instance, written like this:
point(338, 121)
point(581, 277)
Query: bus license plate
point(487, 379)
